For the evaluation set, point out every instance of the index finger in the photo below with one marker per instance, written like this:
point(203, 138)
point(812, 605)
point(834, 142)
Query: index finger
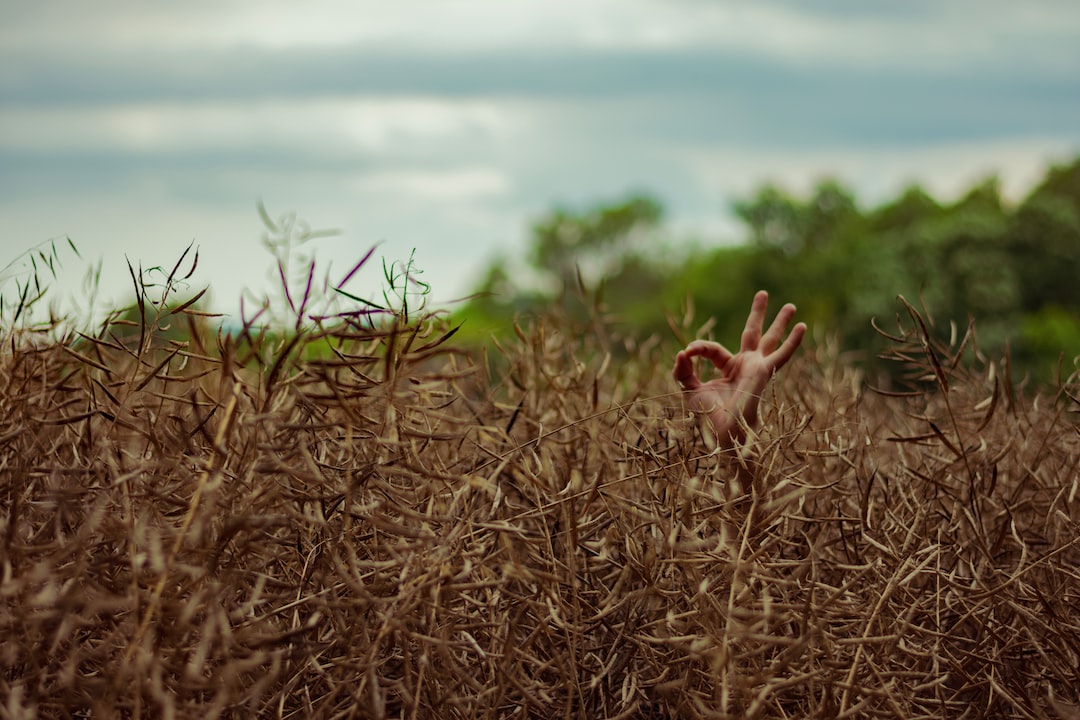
point(716, 353)
point(684, 372)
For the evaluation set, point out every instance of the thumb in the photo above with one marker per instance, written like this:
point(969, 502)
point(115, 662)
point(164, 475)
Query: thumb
point(684, 371)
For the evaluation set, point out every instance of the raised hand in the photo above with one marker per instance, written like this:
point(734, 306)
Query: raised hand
point(731, 400)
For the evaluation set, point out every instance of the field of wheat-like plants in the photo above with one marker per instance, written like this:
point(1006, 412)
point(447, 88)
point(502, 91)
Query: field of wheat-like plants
point(362, 520)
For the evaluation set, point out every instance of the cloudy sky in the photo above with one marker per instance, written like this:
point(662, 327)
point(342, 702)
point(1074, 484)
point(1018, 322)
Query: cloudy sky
point(446, 126)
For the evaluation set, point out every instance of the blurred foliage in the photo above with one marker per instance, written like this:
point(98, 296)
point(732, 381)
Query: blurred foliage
point(1013, 268)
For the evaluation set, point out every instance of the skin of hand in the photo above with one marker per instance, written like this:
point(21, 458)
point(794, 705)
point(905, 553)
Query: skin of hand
point(731, 400)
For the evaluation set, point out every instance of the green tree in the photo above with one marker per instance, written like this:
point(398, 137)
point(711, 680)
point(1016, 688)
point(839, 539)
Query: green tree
point(777, 219)
point(568, 245)
point(1014, 270)
point(1046, 241)
point(1045, 250)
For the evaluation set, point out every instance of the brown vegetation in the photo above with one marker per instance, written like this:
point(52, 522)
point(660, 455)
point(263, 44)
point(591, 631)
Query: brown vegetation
point(362, 522)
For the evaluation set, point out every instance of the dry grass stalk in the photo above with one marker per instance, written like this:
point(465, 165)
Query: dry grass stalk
point(362, 523)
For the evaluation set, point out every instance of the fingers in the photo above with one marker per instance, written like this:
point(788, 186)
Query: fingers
point(684, 373)
point(714, 352)
point(769, 344)
point(789, 346)
point(775, 333)
point(755, 321)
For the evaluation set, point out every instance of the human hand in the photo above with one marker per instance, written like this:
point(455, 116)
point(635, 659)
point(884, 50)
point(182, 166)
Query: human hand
point(731, 400)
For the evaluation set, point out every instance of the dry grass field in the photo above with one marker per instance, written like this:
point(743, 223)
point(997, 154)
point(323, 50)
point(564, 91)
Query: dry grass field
point(365, 522)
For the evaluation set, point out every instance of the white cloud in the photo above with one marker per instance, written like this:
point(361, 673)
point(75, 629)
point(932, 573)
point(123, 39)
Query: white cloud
point(927, 34)
point(879, 173)
point(321, 125)
point(452, 185)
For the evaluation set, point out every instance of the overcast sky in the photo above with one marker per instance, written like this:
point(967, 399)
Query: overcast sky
point(446, 126)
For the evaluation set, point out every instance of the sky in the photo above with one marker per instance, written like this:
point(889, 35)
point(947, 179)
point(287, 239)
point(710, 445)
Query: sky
point(439, 129)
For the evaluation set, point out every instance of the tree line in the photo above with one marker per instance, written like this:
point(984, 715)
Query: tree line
point(1012, 267)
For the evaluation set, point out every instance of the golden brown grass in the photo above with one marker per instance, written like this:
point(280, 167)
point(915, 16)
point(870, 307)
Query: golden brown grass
point(248, 527)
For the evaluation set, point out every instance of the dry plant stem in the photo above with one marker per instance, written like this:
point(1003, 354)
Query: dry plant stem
point(363, 523)
point(209, 475)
